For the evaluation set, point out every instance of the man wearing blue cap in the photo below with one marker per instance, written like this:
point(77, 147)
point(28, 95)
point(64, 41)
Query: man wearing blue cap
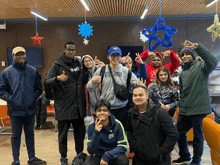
point(120, 74)
point(194, 100)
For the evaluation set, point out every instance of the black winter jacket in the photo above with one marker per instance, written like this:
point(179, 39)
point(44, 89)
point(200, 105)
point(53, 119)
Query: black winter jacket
point(152, 135)
point(69, 96)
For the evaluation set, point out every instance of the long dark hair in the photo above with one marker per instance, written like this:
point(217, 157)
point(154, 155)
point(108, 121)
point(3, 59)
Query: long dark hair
point(169, 80)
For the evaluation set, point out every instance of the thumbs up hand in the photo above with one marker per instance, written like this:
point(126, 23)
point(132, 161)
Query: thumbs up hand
point(62, 77)
point(96, 79)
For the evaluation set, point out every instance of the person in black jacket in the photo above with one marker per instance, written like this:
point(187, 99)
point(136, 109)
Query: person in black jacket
point(67, 79)
point(151, 132)
point(20, 86)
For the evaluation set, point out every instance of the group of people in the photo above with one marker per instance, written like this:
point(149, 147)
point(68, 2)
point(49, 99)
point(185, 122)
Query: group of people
point(142, 118)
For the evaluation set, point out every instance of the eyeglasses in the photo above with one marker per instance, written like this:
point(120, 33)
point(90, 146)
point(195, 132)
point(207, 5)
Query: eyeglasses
point(20, 54)
point(155, 60)
point(71, 50)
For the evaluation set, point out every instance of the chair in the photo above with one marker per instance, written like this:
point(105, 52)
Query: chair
point(212, 135)
point(51, 110)
point(3, 118)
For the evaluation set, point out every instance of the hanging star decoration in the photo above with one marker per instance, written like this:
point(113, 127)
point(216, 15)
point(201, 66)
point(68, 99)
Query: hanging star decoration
point(143, 38)
point(166, 41)
point(85, 30)
point(37, 39)
point(215, 28)
point(86, 42)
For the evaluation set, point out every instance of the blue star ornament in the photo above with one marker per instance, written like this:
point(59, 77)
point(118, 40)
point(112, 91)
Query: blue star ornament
point(85, 30)
point(166, 41)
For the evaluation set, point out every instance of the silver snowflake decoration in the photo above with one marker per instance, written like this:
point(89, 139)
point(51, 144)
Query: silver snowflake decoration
point(143, 38)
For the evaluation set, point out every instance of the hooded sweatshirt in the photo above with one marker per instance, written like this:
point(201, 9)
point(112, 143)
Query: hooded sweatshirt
point(110, 142)
point(120, 75)
point(152, 70)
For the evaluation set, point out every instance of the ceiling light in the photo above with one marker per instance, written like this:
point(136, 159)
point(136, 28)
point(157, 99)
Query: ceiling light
point(211, 2)
point(145, 11)
point(39, 14)
point(85, 4)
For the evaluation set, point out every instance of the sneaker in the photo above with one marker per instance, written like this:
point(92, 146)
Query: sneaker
point(182, 160)
point(63, 161)
point(14, 163)
point(36, 161)
point(131, 155)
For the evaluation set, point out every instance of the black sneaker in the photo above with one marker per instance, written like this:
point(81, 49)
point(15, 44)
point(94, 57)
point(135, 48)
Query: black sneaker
point(63, 161)
point(37, 161)
point(13, 163)
point(182, 160)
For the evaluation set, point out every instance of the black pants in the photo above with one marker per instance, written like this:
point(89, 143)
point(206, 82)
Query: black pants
point(122, 115)
point(79, 135)
point(27, 122)
point(95, 160)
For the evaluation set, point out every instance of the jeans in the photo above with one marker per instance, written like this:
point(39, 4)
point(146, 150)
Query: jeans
point(16, 124)
point(184, 124)
point(95, 160)
point(79, 135)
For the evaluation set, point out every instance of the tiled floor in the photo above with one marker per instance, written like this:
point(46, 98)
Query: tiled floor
point(46, 144)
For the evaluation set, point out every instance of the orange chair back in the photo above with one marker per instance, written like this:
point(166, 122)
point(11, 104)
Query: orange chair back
point(212, 135)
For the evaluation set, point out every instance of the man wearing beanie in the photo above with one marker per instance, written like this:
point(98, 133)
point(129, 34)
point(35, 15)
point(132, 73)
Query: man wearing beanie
point(194, 100)
point(107, 142)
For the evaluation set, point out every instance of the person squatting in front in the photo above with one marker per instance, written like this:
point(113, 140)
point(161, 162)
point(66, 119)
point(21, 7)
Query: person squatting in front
point(151, 131)
point(107, 142)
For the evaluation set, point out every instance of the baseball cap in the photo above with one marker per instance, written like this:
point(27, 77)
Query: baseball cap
point(114, 49)
point(18, 49)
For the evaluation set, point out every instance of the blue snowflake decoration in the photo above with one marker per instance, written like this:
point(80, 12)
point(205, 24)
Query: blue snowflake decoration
point(85, 30)
point(166, 41)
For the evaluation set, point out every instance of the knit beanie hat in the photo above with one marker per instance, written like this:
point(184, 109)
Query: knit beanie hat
point(188, 50)
point(88, 56)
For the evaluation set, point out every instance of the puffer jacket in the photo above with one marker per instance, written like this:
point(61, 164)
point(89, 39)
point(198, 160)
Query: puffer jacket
point(152, 135)
point(69, 96)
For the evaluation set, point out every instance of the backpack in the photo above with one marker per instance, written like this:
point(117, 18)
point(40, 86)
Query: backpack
point(48, 92)
point(79, 159)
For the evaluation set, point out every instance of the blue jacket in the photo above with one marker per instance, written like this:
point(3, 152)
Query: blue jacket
point(109, 143)
point(20, 86)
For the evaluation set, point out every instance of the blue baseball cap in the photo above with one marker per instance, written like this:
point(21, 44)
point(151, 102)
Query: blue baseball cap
point(114, 49)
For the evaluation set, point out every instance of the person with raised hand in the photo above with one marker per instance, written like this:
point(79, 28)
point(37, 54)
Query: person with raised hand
point(121, 76)
point(107, 142)
point(194, 99)
point(67, 79)
point(156, 62)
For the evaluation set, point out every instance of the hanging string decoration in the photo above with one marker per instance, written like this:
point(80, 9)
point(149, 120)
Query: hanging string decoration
point(85, 29)
point(215, 28)
point(167, 40)
point(36, 39)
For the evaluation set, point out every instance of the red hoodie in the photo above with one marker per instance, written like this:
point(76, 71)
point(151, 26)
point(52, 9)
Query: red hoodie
point(152, 70)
